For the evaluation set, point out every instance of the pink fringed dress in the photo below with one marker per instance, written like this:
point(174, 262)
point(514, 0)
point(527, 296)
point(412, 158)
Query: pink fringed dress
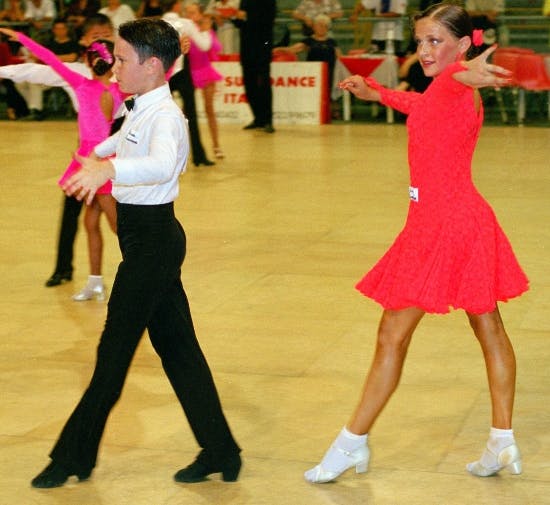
point(93, 127)
point(200, 63)
point(452, 251)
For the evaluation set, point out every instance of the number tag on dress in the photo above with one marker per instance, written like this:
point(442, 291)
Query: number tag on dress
point(413, 193)
point(131, 136)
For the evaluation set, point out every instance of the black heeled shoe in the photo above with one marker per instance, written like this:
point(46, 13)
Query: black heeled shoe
point(58, 278)
point(197, 471)
point(55, 475)
point(205, 162)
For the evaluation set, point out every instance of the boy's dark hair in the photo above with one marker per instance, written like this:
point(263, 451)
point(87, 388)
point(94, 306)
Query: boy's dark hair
point(96, 19)
point(152, 37)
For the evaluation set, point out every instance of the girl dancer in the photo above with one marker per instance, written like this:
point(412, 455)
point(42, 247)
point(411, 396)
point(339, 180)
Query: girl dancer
point(98, 100)
point(204, 75)
point(451, 252)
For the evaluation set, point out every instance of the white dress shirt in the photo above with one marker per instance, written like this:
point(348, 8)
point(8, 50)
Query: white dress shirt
point(151, 150)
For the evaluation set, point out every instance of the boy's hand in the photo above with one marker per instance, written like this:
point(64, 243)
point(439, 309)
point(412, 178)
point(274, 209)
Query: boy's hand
point(94, 173)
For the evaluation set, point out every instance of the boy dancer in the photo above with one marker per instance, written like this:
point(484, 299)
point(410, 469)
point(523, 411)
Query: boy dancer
point(151, 151)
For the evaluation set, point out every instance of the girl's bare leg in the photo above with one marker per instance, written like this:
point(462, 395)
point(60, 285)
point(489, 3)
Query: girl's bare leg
point(350, 447)
point(500, 362)
point(501, 450)
point(394, 336)
point(208, 95)
point(95, 239)
point(108, 206)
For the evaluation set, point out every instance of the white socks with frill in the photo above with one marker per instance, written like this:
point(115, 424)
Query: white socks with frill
point(346, 451)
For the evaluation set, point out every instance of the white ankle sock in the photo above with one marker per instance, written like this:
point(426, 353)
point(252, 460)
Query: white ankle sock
point(498, 440)
point(345, 441)
point(350, 441)
point(95, 280)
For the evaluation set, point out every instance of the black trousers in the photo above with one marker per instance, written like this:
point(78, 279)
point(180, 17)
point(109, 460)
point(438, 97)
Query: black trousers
point(147, 294)
point(67, 233)
point(14, 99)
point(257, 86)
point(182, 82)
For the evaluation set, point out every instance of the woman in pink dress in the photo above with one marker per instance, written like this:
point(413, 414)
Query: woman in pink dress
point(98, 99)
point(204, 75)
point(451, 251)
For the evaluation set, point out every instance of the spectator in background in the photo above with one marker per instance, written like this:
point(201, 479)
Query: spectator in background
point(78, 11)
point(97, 27)
point(223, 11)
point(484, 14)
point(308, 10)
point(118, 12)
point(16, 107)
point(319, 47)
point(255, 20)
point(149, 9)
point(62, 44)
point(40, 14)
point(67, 50)
point(13, 12)
point(384, 29)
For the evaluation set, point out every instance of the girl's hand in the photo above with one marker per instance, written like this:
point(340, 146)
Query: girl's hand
point(12, 34)
point(357, 85)
point(479, 73)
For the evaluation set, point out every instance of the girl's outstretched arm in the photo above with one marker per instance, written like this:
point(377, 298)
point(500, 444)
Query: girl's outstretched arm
point(356, 84)
point(479, 73)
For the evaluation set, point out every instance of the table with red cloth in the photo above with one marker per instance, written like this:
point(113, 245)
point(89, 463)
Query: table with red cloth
point(379, 66)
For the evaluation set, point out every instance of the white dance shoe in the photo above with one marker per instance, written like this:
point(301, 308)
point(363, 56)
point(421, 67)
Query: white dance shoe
point(98, 293)
point(509, 458)
point(341, 461)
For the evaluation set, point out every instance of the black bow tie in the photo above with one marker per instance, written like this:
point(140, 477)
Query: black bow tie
point(129, 103)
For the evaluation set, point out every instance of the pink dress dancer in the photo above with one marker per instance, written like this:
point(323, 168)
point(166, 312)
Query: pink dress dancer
point(93, 128)
point(202, 71)
point(205, 77)
point(98, 99)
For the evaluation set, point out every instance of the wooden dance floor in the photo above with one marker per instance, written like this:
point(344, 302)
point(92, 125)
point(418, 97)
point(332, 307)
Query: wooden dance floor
point(278, 233)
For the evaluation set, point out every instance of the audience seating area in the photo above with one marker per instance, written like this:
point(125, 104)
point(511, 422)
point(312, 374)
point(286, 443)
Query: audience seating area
point(524, 39)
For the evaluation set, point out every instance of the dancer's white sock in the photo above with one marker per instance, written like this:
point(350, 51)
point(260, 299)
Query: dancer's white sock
point(498, 439)
point(345, 441)
point(94, 281)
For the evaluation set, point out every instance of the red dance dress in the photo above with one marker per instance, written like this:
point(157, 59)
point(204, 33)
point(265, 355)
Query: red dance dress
point(451, 252)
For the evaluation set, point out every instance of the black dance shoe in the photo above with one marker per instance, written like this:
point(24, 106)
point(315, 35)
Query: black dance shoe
point(55, 475)
point(268, 128)
point(206, 162)
point(59, 278)
point(253, 126)
point(197, 471)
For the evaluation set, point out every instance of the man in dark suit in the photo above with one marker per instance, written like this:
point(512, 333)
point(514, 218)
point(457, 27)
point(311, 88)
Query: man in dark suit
point(255, 20)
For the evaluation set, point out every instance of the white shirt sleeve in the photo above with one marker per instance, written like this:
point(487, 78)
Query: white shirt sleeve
point(203, 39)
point(157, 164)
